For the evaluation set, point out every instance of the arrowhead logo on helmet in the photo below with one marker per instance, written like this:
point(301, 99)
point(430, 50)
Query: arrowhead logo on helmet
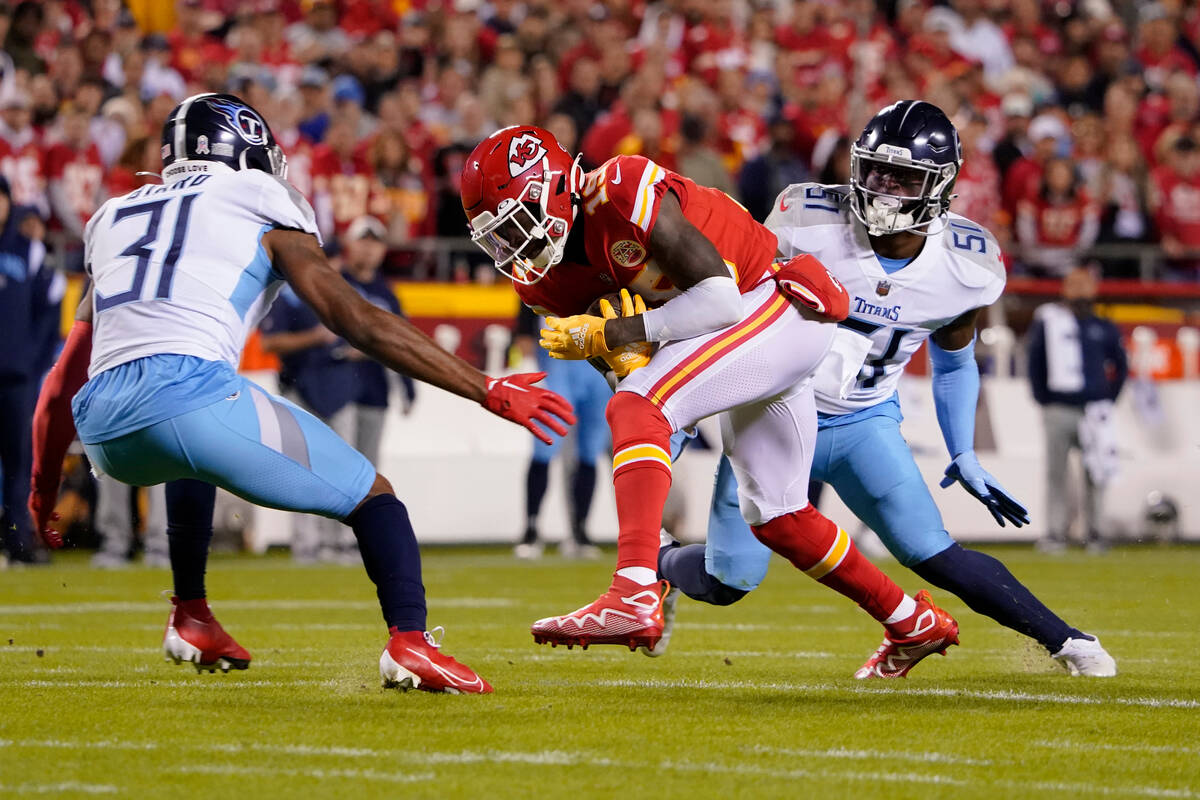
point(523, 152)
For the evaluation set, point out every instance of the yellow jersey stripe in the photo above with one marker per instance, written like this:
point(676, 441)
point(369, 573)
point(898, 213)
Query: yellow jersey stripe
point(689, 366)
point(645, 201)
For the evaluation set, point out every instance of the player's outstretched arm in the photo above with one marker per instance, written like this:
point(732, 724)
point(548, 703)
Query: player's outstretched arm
point(53, 425)
point(398, 344)
point(955, 397)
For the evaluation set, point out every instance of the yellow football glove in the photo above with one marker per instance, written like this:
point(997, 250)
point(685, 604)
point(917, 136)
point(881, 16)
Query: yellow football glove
point(630, 357)
point(574, 338)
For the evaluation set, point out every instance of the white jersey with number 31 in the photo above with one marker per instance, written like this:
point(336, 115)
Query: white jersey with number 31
point(958, 269)
point(180, 268)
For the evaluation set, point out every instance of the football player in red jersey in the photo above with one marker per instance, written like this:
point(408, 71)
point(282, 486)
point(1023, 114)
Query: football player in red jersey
point(736, 335)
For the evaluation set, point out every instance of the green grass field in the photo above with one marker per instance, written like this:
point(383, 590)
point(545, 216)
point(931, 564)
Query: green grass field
point(754, 700)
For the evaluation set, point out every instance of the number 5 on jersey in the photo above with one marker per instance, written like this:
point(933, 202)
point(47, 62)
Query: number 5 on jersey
point(143, 249)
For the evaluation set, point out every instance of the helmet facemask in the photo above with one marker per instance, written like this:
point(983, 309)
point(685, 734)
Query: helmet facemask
point(522, 238)
point(892, 193)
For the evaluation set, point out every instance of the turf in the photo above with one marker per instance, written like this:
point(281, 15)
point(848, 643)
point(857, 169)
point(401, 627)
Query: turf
point(754, 700)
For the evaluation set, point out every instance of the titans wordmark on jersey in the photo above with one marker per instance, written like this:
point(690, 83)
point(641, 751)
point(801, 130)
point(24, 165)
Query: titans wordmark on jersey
point(958, 269)
point(180, 268)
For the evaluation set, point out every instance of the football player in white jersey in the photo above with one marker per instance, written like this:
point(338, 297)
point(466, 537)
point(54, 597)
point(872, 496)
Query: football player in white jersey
point(181, 273)
point(915, 272)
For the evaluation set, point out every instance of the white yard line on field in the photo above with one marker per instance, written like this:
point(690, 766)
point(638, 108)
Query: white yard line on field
point(904, 756)
point(567, 758)
point(301, 772)
point(1064, 744)
point(115, 607)
point(58, 788)
point(892, 690)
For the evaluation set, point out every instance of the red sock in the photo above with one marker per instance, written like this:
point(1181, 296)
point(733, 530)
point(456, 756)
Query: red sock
point(823, 551)
point(641, 476)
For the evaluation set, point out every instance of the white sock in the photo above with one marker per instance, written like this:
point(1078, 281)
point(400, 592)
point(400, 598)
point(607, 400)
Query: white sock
point(643, 575)
point(906, 609)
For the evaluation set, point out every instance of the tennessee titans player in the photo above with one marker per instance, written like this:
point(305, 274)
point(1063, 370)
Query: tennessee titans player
point(914, 271)
point(182, 272)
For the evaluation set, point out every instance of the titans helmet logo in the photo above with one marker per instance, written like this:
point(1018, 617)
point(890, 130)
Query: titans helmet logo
point(245, 120)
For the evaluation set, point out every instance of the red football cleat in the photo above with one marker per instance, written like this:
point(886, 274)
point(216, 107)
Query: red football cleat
point(194, 635)
point(412, 660)
point(628, 613)
point(932, 630)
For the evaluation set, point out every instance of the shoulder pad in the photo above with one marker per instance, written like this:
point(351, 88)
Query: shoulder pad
point(803, 205)
point(282, 203)
point(975, 254)
point(628, 187)
point(804, 209)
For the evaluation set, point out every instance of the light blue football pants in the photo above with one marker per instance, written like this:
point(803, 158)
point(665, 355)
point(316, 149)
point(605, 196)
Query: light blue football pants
point(254, 444)
point(871, 467)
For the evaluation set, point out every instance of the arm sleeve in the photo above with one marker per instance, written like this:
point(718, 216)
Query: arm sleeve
point(955, 395)
point(710, 305)
point(1037, 362)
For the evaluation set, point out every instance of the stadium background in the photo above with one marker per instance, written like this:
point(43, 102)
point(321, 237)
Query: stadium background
point(378, 102)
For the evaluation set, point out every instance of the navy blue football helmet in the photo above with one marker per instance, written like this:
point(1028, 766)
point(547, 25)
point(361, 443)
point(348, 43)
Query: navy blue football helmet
point(215, 133)
point(903, 168)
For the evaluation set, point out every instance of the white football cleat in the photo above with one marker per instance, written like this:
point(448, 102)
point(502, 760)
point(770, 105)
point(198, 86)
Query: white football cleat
point(668, 609)
point(529, 551)
point(1086, 658)
point(578, 551)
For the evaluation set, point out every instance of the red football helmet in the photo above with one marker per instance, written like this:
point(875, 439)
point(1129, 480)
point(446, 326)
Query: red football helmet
point(518, 189)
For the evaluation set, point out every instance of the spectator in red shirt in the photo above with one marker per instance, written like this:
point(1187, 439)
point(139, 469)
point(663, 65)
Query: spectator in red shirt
point(404, 180)
point(1024, 177)
point(75, 174)
point(1058, 224)
point(344, 185)
point(804, 43)
point(1158, 49)
point(21, 157)
point(1175, 203)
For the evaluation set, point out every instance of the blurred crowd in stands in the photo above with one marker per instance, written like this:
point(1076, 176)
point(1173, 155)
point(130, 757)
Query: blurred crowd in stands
point(1080, 118)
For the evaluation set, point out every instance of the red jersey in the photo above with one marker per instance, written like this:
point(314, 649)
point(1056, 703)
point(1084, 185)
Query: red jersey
point(620, 204)
point(1178, 203)
point(349, 184)
point(79, 174)
point(24, 167)
point(1058, 223)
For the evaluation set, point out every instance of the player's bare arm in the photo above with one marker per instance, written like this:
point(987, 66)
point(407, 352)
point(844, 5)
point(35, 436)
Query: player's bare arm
point(957, 334)
point(400, 345)
point(83, 313)
point(686, 257)
point(390, 339)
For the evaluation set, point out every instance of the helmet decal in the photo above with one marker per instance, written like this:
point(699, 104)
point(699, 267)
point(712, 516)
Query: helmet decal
point(523, 152)
point(246, 121)
point(202, 145)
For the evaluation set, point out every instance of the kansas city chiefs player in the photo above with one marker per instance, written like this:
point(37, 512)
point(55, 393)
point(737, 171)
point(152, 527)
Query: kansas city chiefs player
point(739, 335)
